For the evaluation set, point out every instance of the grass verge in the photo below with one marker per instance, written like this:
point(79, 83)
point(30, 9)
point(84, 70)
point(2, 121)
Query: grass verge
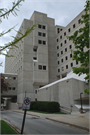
point(46, 112)
point(6, 129)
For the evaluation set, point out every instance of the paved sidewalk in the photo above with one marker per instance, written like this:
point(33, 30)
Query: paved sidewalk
point(75, 119)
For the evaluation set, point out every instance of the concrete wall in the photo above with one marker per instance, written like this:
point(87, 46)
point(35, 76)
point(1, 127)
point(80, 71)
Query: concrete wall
point(64, 92)
point(61, 49)
point(11, 80)
point(27, 61)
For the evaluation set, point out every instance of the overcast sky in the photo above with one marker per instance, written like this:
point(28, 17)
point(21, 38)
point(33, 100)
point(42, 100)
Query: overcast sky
point(63, 11)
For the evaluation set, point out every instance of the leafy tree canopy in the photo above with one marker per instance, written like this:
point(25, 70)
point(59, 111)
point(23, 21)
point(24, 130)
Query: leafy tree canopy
point(81, 40)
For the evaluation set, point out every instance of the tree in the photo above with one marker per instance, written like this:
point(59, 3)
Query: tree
point(81, 40)
point(4, 13)
point(4, 85)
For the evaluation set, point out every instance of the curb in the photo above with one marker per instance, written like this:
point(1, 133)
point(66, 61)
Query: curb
point(12, 126)
point(73, 125)
point(27, 113)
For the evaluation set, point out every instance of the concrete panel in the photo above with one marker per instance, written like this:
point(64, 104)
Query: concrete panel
point(28, 66)
point(20, 77)
point(28, 49)
point(43, 50)
point(40, 76)
point(28, 76)
point(20, 87)
point(42, 58)
point(28, 41)
point(28, 86)
point(27, 23)
point(28, 57)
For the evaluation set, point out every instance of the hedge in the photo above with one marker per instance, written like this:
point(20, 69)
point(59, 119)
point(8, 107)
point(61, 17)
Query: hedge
point(46, 106)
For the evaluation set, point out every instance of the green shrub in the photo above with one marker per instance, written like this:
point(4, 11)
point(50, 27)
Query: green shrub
point(45, 106)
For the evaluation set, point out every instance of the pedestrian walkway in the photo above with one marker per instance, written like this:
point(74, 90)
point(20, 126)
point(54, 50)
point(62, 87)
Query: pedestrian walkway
point(75, 119)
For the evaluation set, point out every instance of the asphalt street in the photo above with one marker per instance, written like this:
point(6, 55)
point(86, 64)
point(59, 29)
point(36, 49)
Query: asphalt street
point(37, 125)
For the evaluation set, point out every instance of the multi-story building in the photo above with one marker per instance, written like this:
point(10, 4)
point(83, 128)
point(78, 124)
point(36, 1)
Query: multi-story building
point(65, 46)
point(42, 57)
point(35, 57)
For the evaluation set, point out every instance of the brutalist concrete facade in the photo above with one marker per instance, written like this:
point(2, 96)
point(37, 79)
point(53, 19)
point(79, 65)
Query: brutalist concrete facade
point(42, 57)
point(35, 57)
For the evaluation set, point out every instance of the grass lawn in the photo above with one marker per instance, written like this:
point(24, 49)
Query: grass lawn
point(6, 129)
point(46, 112)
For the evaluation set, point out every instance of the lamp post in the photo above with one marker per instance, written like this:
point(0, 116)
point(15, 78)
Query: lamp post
point(81, 101)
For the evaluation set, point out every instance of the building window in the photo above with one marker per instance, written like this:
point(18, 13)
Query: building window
point(65, 49)
point(64, 33)
point(39, 33)
point(34, 58)
point(58, 70)
point(66, 57)
point(34, 49)
point(9, 88)
point(70, 46)
point(61, 44)
point(13, 88)
point(44, 67)
point(79, 21)
point(66, 66)
point(58, 55)
point(57, 40)
point(44, 27)
point(39, 26)
point(6, 77)
point(39, 66)
point(39, 41)
point(58, 62)
point(60, 37)
point(70, 55)
point(35, 91)
point(82, 50)
point(80, 30)
point(61, 52)
point(71, 64)
point(14, 78)
point(76, 62)
point(58, 30)
point(57, 47)
point(44, 34)
point(65, 41)
point(35, 99)
point(61, 60)
point(69, 30)
point(73, 25)
point(44, 42)
point(62, 68)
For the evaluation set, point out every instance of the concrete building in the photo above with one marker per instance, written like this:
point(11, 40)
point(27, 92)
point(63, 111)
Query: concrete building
point(35, 56)
point(66, 91)
point(64, 47)
point(44, 56)
point(11, 81)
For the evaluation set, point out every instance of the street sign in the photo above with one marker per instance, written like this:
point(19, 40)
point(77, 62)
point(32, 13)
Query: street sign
point(26, 106)
point(26, 103)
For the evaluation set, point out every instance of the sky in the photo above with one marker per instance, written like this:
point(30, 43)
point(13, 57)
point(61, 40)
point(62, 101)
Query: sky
point(63, 11)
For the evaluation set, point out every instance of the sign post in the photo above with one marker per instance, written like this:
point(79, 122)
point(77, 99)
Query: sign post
point(26, 106)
